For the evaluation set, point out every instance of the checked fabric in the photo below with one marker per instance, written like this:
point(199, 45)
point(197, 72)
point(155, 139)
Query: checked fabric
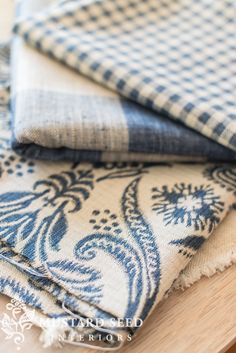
point(175, 57)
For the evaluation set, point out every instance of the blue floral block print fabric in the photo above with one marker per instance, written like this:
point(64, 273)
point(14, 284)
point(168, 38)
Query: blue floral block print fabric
point(103, 241)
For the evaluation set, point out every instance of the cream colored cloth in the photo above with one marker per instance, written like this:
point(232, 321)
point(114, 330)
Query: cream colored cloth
point(104, 241)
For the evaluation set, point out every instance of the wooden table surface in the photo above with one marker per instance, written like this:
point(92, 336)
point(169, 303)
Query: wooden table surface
point(201, 319)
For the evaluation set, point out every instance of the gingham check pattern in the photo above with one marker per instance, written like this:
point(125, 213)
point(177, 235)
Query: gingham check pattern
point(177, 57)
point(60, 114)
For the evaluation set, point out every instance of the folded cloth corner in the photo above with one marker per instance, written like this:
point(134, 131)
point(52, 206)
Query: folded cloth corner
point(59, 114)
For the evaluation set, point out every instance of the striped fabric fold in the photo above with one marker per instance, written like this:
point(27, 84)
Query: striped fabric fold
point(176, 58)
point(59, 114)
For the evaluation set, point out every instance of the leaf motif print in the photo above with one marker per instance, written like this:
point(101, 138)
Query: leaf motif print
point(22, 214)
point(189, 245)
point(141, 231)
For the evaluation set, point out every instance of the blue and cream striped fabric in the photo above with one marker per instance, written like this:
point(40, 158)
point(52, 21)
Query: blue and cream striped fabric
point(173, 59)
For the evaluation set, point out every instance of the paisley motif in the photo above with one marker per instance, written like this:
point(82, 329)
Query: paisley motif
point(225, 176)
point(121, 237)
point(123, 253)
point(121, 247)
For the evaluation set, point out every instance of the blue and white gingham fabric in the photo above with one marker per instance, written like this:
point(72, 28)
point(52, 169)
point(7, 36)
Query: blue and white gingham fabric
point(175, 57)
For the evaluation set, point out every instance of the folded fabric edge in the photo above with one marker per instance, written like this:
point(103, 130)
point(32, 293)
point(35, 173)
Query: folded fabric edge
point(61, 328)
point(24, 25)
point(57, 335)
point(64, 153)
point(208, 269)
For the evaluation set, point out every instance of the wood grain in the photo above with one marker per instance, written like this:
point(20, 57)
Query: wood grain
point(200, 320)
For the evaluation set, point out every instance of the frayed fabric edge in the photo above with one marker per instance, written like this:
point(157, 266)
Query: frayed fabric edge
point(209, 269)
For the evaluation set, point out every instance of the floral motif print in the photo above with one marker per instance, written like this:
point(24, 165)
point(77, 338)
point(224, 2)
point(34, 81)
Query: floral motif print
point(121, 251)
point(105, 221)
point(143, 275)
point(14, 165)
point(116, 238)
point(18, 290)
point(189, 245)
point(122, 170)
point(140, 230)
point(225, 176)
point(196, 206)
point(23, 218)
point(81, 278)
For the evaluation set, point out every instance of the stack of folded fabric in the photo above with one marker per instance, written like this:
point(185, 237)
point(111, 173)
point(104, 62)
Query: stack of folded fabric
point(84, 239)
point(151, 52)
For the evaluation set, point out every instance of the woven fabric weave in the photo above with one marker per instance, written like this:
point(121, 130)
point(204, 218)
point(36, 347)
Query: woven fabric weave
point(59, 114)
point(176, 58)
point(70, 227)
point(107, 241)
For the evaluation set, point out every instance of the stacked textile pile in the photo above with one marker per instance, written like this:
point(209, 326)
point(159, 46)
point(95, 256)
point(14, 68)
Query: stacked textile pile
point(152, 52)
point(67, 226)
